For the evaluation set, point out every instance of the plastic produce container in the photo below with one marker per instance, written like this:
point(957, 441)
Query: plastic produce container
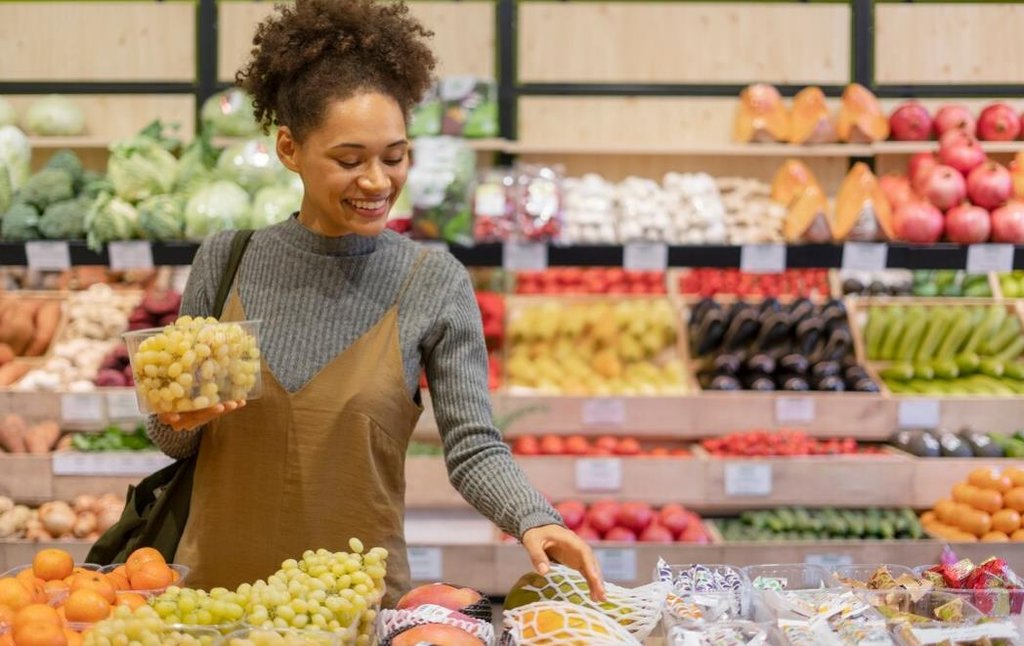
point(195, 364)
point(281, 637)
point(790, 576)
point(180, 570)
point(53, 597)
point(863, 573)
point(717, 605)
point(748, 632)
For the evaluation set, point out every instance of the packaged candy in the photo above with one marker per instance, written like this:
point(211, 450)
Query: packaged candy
point(470, 107)
point(494, 206)
point(738, 633)
point(425, 120)
point(539, 203)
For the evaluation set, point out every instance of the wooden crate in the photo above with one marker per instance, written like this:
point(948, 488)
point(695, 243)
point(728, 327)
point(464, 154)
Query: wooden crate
point(934, 477)
point(27, 479)
point(17, 553)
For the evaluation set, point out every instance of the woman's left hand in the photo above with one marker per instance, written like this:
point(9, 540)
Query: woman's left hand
point(564, 546)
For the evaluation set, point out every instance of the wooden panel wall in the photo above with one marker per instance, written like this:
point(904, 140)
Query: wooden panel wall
point(112, 116)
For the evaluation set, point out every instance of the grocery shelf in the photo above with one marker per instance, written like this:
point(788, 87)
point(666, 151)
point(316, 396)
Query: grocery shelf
point(911, 147)
point(80, 142)
point(724, 149)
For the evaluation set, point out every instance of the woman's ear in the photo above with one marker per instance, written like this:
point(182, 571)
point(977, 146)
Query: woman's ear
point(287, 149)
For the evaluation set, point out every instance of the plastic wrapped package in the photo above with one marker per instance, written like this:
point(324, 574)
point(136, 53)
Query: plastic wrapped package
point(440, 187)
point(698, 213)
point(469, 107)
point(590, 211)
point(540, 203)
point(643, 212)
point(425, 120)
point(750, 214)
point(494, 205)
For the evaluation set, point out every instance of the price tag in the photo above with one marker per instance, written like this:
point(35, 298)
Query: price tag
point(794, 410)
point(742, 479)
point(865, 256)
point(763, 258)
point(48, 256)
point(130, 254)
point(645, 256)
point(605, 411)
point(123, 404)
point(829, 561)
point(919, 413)
point(525, 256)
point(425, 563)
point(115, 463)
point(435, 245)
point(617, 564)
point(599, 474)
point(983, 258)
point(82, 407)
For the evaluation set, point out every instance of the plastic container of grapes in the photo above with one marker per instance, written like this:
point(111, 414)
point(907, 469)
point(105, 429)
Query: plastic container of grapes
point(53, 597)
point(180, 570)
point(221, 363)
point(281, 637)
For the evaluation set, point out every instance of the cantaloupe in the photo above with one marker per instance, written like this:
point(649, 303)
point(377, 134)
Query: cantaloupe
point(861, 119)
point(861, 211)
point(809, 119)
point(760, 115)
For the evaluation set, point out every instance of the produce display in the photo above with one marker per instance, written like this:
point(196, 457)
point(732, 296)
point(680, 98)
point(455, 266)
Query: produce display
point(19, 436)
point(594, 347)
point(986, 507)
point(596, 280)
point(529, 445)
point(27, 326)
point(860, 212)
point(956, 349)
point(965, 443)
point(923, 283)
point(84, 518)
point(1012, 284)
point(628, 522)
point(801, 283)
point(781, 443)
point(113, 438)
point(770, 346)
point(799, 523)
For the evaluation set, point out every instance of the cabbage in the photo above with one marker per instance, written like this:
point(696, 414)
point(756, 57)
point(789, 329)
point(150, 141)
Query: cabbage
point(140, 167)
point(15, 155)
point(274, 204)
point(196, 165)
point(251, 164)
point(161, 218)
point(8, 115)
point(55, 115)
point(216, 207)
point(110, 218)
point(230, 114)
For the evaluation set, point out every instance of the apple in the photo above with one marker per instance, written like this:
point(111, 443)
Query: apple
point(911, 122)
point(968, 224)
point(620, 535)
point(607, 442)
point(657, 533)
point(1008, 223)
point(526, 445)
point(954, 117)
point(587, 533)
point(674, 518)
point(998, 122)
point(627, 446)
point(576, 445)
point(552, 445)
point(635, 516)
point(944, 188)
point(573, 513)
point(694, 534)
point(990, 185)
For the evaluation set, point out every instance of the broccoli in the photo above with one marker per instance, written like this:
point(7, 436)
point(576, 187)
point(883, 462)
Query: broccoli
point(68, 162)
point(161, 218)
point(6, 190)
point(65, 220)
point(47, 187)
point(20, 223)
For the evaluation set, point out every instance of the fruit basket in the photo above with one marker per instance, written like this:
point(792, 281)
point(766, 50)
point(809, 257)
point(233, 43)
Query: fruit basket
point(281, 637)
point(195, 364)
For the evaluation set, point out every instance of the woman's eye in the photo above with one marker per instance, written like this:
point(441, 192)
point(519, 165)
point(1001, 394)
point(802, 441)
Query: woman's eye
point(348, 164)
point(394, 162)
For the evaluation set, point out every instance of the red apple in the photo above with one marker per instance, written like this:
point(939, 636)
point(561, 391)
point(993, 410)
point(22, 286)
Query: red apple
point(945, 187)
point(674, 518)
point(954, 117)
point(998, 122)
point(620, 535)
point(573, 513)
point(911, 122)
point(607, 442)
point(918, 222)
point(552, 445)
point(657, 533)
point(526, 445)
point(628, 446)
point(990, 185)
point(968, 224)
point(635, 516)
point(601, 519)
point(576, 445)
point(897, 189)
point(1008, 223)
point(587, 533)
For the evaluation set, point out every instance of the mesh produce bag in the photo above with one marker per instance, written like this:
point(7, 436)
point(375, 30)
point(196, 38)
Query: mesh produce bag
point(392, 622)
point(638, 610)
point(551, 623)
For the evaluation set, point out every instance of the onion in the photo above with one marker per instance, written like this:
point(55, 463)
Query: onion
point(109, 500)
point(85, 502)
point(107, 518)
point(58, 518)
point(84, 525)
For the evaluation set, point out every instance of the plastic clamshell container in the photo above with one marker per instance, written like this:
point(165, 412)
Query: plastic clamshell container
point(972, 627)
point(864, 572)
point(749, 632)
point(53, 597)
point(923, 604)
point(717, 605)
point(213, 363)
point(180, 570)
point(281, 637)
point(175, 634)
point(791, 576)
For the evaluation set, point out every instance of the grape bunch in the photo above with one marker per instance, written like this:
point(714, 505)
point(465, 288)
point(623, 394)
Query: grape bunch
point(145, 628)
point(281, 637)
point(194, 364)
point(219, 608)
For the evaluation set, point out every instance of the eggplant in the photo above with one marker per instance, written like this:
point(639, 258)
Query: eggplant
point(701, 309)
point(742, 329)
point(838, 345)
point(794, 383)
point(759, 382)
point(808, 335)
point(762, 363)
point(951, 446)
point(854, 373)
point(769, 306)
point(865, 385)
point(832, 384)
point(775, 329)
point(724, 382)
point(824, 369)
point(800, 309)
point(728, 364)
point(834, 309)
point(795, 363)
point(981, 445)
point(709, 334)
point(849, 361)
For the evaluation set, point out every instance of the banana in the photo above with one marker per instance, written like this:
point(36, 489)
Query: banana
point(945, 369)
point(959, 329)
point(898, 372)
point(991, 367)
point(938, 327)
point(874, 331)
point(1014, 370)
point(986, 329)
point(1008, 331)
point(893, 333)
point(968, 362)
point(1012, 351)
point(917, 321)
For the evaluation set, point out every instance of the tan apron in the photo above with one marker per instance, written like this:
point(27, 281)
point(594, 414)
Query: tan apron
point(301, 471)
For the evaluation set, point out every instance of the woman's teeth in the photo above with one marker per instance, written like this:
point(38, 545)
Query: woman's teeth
point(369, 206)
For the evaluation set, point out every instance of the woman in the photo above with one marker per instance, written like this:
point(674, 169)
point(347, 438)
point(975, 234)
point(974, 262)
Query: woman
point(351, 315)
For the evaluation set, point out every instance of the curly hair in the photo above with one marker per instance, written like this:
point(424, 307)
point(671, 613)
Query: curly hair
point(315, 51)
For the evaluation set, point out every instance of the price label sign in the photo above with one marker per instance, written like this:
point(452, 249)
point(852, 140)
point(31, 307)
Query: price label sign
point(829, 561)
point(794, 410)
point(617, 564)
point(82, 407)
point(130, 254)
point(524, 256)
point(116, 463)
point(645, 256)
point(919, 413)
point(865, 256)
point(48, 256)
point(748, 480)
point(607, 412)
point(123, 404)
point(599, 474)
point(426, 563)
point(763, 258)
point(983, 258)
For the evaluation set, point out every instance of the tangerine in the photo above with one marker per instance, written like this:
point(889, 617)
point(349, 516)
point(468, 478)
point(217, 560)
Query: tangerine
point(152, 576)
point(74, 638)
point(86, 606)
point(1015, 499)
point(55, 588)
point(1006, 521)
point(995, 537)
point(118, 579)
point(130, 599)
point(14, 595)
point(32, 583)
point(37, 613)
point(52, 564)
point(140, 557)
point(96, 582)
point(6, 639)
point(1017, 535)
point(40, 634)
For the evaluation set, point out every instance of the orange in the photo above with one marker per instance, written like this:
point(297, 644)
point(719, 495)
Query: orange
point(928, 517)
point(52, 564)
point(989, 478)
point(6, 617)
point(1016, 476)
point(963, 492)
point(1017, 535)
point(118, 579)
point(131, 600)
point(140, 557)
point(6, 639)
point(152, 576)
point(1006, 521)
point(40, 634)
point(96, 582)
point(74, 639)
point(944, 510)
point(33, 584)
point(86, 606)
point(54, 588)
point(977, 523)
point(995, 537)
point(37, 613)
point(1015, 499)
point(987, 500)
point(14, 595)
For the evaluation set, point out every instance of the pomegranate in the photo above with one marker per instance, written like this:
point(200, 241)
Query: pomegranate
point(897, 189)
point(911, 122)
point(918, 222)
point(998, 122)
point(990, 185)
point(954, 117)
point(673, 518)
point(955, 138)
point(587, 533)
point(921, 164)
point(620, 535)
point(968, 224)
point(635, 516)
point(573, 513)
point(601, 519)
point(945, 187)
point(964, 155)
point(1008, 223)
point(656, 533)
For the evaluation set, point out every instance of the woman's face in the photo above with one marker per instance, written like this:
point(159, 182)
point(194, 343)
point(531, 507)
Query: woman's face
point(353, 165)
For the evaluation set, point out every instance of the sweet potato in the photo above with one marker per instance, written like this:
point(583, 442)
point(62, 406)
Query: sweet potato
point(47, 319)
point(18, 327)
point(12, 372)
point(6, 354)
point(12, 434)
point(42, 437)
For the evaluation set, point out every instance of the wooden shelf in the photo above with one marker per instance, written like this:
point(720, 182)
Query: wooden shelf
point(81, 142)
point(723, 149)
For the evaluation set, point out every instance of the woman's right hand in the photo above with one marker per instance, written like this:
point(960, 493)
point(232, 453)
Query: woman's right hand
point(194, 419)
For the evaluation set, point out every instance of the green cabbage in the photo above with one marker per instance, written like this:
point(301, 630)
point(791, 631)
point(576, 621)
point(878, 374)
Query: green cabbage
point(55, 116)
point(230, 114)
point(68, 162)
point(8, 115)
point(140, 167)
point(274, 204)
point(161, 218)
point(6, 192)
point(15, 154)
point(20, 223)
point(216, 207)
point(65, 220)
point(47, 187)
point(110, 218)
point(252, 164)
point(195, 168)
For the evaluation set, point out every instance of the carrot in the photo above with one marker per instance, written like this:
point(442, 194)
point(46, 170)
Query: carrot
point(47, 319)
point(12, 372)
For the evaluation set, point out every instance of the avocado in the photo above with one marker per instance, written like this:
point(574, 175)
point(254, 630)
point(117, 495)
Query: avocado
point(852, 286)
point(924, 445)
point(981, 445)
point(877, 288)
point(926, 290)
point(728, 364)
point(865, 385)
point(831, 383)
point(759, 382)
point(824, 369)
point(854, 372)
point(761, 363)
point(951, 446)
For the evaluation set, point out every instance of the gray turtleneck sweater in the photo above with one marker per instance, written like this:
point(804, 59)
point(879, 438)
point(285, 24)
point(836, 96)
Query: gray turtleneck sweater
point(317, 295)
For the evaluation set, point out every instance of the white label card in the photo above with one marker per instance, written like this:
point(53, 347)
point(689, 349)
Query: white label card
point(123, 404)
point(645, 256)
point(617, 564)
point(48, 256)
point(525, 256)
point(865, 256)
point(763, 258)
point(829, 561)
point(983, 258)
point(82, 407)
point(109, 463)
point(748, 479)
point(130, 254)
point(919, 413)
point(794, 410)
point(599, 474)
point(608, 412)
point(426, 563)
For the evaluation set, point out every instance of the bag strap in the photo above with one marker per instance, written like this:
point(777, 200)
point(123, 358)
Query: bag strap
point(238, 244)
